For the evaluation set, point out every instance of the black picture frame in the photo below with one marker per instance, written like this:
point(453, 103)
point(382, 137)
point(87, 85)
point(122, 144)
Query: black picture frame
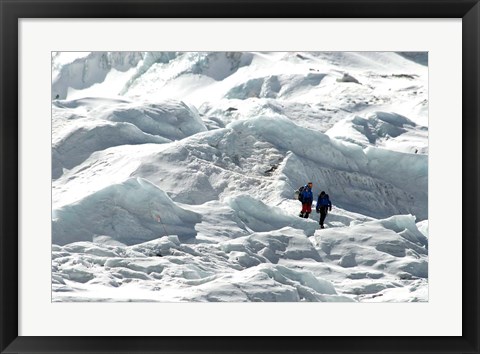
point(13, 10)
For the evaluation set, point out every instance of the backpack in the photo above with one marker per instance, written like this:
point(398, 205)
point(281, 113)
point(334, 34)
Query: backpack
point(324, 201)
point(299, 193)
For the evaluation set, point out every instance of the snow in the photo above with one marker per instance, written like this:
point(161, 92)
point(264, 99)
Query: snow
point(88, 70)
point(173, 176)
point(131, 212)
point(84, 126)
point(382, 129)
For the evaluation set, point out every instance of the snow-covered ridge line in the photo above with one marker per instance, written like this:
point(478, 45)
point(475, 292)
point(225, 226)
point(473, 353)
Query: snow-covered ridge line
point(406, 172)
point(209, 164)
point(84, 126)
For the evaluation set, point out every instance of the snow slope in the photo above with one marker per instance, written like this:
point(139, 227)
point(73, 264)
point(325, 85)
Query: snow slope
point(173, 176)
point(131, 212)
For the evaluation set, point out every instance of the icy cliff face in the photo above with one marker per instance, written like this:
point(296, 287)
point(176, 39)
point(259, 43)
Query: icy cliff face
point(173, 174)
point(388, 130)
point(91, 69)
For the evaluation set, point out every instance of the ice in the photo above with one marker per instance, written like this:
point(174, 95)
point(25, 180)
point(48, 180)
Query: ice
point(383, 129)
point(91, 69)
point(257, 267)
point(272, 246)
point(131, 212)
point(84, 126)
point(173, 176)
point(77, 146)
point(379, 245)
point(260, 217)
point(171, 119)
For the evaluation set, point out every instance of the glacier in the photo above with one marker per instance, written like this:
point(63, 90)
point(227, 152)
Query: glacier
point(173, 176)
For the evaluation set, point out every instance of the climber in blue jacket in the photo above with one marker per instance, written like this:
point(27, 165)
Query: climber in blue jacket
point(324, 205)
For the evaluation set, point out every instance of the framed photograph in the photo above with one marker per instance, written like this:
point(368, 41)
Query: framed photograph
point(234, 176)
